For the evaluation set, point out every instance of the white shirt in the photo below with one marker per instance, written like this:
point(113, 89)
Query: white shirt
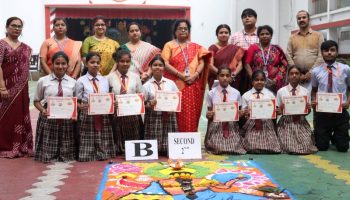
point(252, 94)
point(133, 82)
point(48, 86)
point(216, 95)
point(287, 91)
point(84, 86)
point(150, 87)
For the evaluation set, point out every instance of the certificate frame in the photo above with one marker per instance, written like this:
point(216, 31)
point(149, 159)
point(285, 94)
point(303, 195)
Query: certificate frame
point(326, 106)
point(70, 112)
point(166, 106)
point(125, 107)
point(98, 96)
point(269, 113)
point(288, 100)
point(219, 108)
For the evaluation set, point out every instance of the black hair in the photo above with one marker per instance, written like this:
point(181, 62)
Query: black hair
point(224, 67)
point(98, 17)
point(247, 12)
point(264, 27)
point(293, 67)
point(132, 23)
point(59, 54)
point(177, 23)
point(157, 57)
point(223, 26)
point(307, 13)
point(119, 53)
point(60, 19)
point(9, 20)
point(326, 45)
point(92, 54)
point(258, 72)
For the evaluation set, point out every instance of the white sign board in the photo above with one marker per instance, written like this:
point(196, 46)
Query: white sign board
point(141, 150)
point(184, 145)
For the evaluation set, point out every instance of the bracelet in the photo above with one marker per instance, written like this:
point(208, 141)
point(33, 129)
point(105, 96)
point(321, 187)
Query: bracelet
point(177, 74)
point(3, 89)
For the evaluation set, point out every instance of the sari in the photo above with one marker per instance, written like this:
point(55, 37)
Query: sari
point(141, 57)
point(105, 47)
point(192, 95)
point(69, 46)
point(229, 55)
point(276, 64)
point(16, 137)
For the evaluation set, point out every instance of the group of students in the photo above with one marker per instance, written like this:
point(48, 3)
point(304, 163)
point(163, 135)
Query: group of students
point(100, 137)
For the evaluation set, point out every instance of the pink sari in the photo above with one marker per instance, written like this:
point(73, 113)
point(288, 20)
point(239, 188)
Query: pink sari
point(16, 137)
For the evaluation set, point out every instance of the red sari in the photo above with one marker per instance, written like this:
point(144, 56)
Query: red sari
point(229, 55)
point(16, 137)
point(276, 64)
point(192, 95)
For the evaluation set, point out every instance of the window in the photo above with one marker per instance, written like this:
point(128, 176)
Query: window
point(320, 6)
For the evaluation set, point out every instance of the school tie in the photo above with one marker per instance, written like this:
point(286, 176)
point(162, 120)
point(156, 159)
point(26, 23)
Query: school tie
point(225, 125)
point(330, 79)
point(258, 122)
point(296, 118)
point(98, 120)
point(165, 115)
point(60, 90)
point(123, 86)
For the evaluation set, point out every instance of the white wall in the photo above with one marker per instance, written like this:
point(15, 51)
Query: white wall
point(32, 14)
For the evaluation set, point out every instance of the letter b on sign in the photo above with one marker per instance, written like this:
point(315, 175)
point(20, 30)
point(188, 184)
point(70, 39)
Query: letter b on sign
point(141, 150)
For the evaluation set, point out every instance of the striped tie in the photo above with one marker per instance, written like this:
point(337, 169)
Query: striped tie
point(60, 90)
point(225, 125)
point(98, 120)
point(258, 122)
point(330, 79)
point(123, 86)
point(296, 118)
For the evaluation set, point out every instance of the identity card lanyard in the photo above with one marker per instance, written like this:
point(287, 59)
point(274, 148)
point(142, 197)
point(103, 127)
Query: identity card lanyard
point(185, 56)
point(265, 59)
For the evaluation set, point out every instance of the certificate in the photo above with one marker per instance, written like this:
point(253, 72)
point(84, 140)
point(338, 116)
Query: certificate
point(263, 109)
point(130, 104)
point(295, 105)
point(329, 102)
point(226, 112)
point(62, 108)
point(101, 104)
point(168, 101)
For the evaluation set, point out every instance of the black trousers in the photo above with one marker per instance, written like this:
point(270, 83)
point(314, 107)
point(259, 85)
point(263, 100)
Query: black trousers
point(328, 124)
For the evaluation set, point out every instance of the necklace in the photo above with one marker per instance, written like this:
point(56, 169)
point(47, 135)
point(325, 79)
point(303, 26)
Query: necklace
point(61, 43)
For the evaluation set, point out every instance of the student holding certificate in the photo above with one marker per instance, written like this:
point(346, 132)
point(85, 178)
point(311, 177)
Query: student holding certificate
point(158, 123)
point(54, 137)
point(330, 84)
point(122, 82)
point(95, 131)
point(293, 130)
point(260, 134)
point(223, 137)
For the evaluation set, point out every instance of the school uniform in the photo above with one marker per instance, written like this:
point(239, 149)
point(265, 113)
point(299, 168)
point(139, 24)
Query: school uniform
point(223, 137)
point(159, 124)
point(260, 134)
point(54, 137)
point(335, 79)
point(293, 131)
point(125, 127)
point(95, 131)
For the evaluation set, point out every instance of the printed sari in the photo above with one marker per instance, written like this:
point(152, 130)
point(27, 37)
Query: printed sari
point(70, 47)
point(105, 47)
point(16, 137)
point(141, 57)
point(192, 95)
point(275, 68)
point(229, 55)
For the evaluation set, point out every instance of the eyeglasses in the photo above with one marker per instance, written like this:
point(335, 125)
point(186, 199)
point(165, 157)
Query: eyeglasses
point(15, 26)
point(182, 29)
point(100, 25)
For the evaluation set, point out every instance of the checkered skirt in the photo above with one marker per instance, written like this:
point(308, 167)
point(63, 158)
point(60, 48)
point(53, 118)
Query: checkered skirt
point(157, 128)
point(126, 128)
point(216, 143)
point(95, 145)
point(54, 140)
point(296, 137)
point(261, 141)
